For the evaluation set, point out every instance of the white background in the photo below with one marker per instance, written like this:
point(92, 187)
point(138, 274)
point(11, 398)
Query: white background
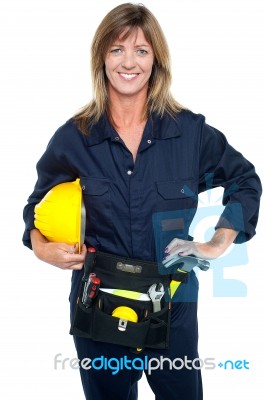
point(218, 60)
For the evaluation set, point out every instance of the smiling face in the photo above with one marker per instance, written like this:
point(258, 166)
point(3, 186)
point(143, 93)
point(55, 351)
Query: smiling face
point(128, 65)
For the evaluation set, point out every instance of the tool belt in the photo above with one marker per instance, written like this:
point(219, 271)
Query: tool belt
point(95, 320)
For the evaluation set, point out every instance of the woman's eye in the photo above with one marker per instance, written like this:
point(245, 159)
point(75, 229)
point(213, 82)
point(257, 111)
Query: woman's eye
point(142, 52)
point(116, 51)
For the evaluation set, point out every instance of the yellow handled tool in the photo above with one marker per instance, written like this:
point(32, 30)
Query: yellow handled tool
point(187, 263)
point(175, 284)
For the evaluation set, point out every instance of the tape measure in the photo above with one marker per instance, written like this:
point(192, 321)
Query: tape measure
point(125, 313)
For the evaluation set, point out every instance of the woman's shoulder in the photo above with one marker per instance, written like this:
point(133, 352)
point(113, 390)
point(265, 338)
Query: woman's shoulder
point(67, 130)
point(187, 115)
point(185, 120)
point(69, 127)
point(66, 135)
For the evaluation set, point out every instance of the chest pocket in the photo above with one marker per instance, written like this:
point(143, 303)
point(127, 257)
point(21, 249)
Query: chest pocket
point(176, 206)
point(176, 195)
point(97, 201)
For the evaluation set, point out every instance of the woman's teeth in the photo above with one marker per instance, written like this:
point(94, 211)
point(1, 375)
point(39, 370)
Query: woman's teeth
point(129, 76)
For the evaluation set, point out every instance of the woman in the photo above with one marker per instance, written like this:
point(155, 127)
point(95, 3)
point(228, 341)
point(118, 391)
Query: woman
point(142, 159)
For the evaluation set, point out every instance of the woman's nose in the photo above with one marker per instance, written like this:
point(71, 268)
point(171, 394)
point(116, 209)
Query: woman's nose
point(128, 61)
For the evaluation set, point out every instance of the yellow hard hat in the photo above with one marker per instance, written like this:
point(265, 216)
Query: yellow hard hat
point(60, 216)
point(126, 313)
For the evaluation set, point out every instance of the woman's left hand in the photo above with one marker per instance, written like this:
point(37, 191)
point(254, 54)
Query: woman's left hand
point(220, 241)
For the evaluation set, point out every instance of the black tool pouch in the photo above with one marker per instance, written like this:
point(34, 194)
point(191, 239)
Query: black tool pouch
point(96, 321)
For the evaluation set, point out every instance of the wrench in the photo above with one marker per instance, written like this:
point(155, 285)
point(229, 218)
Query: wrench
point(156, 292)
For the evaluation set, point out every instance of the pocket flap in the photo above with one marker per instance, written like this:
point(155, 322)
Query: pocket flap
point(176, 189)
point(94, 186)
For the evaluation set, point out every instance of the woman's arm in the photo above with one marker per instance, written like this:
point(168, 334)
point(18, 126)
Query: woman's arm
point(214, 248)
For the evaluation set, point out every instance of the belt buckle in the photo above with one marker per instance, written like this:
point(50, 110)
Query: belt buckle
point(133, 269)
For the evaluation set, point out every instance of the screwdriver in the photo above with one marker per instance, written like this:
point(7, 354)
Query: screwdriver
point(92, 283)
point(91, 289)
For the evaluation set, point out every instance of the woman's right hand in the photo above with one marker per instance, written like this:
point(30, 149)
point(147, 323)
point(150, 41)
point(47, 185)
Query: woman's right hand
point(60, 255)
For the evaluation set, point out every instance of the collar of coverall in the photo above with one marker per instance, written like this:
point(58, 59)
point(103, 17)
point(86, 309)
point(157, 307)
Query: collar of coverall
point(161, 128)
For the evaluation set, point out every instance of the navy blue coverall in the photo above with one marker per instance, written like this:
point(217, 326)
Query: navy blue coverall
point(123, 199)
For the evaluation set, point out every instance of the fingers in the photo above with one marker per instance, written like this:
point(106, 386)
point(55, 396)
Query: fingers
point(175, 242)
point(189, 248)
point(72, 249)
point(83, 250)
point(74, 260)
point(180, 247)
point(75, 267)
point(64, 256)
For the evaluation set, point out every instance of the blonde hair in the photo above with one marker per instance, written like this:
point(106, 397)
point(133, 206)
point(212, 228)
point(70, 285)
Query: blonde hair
point(124, 19)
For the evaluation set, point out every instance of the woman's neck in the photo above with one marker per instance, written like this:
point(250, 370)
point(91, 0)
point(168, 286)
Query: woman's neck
point(126, 112)
point(128, 117)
